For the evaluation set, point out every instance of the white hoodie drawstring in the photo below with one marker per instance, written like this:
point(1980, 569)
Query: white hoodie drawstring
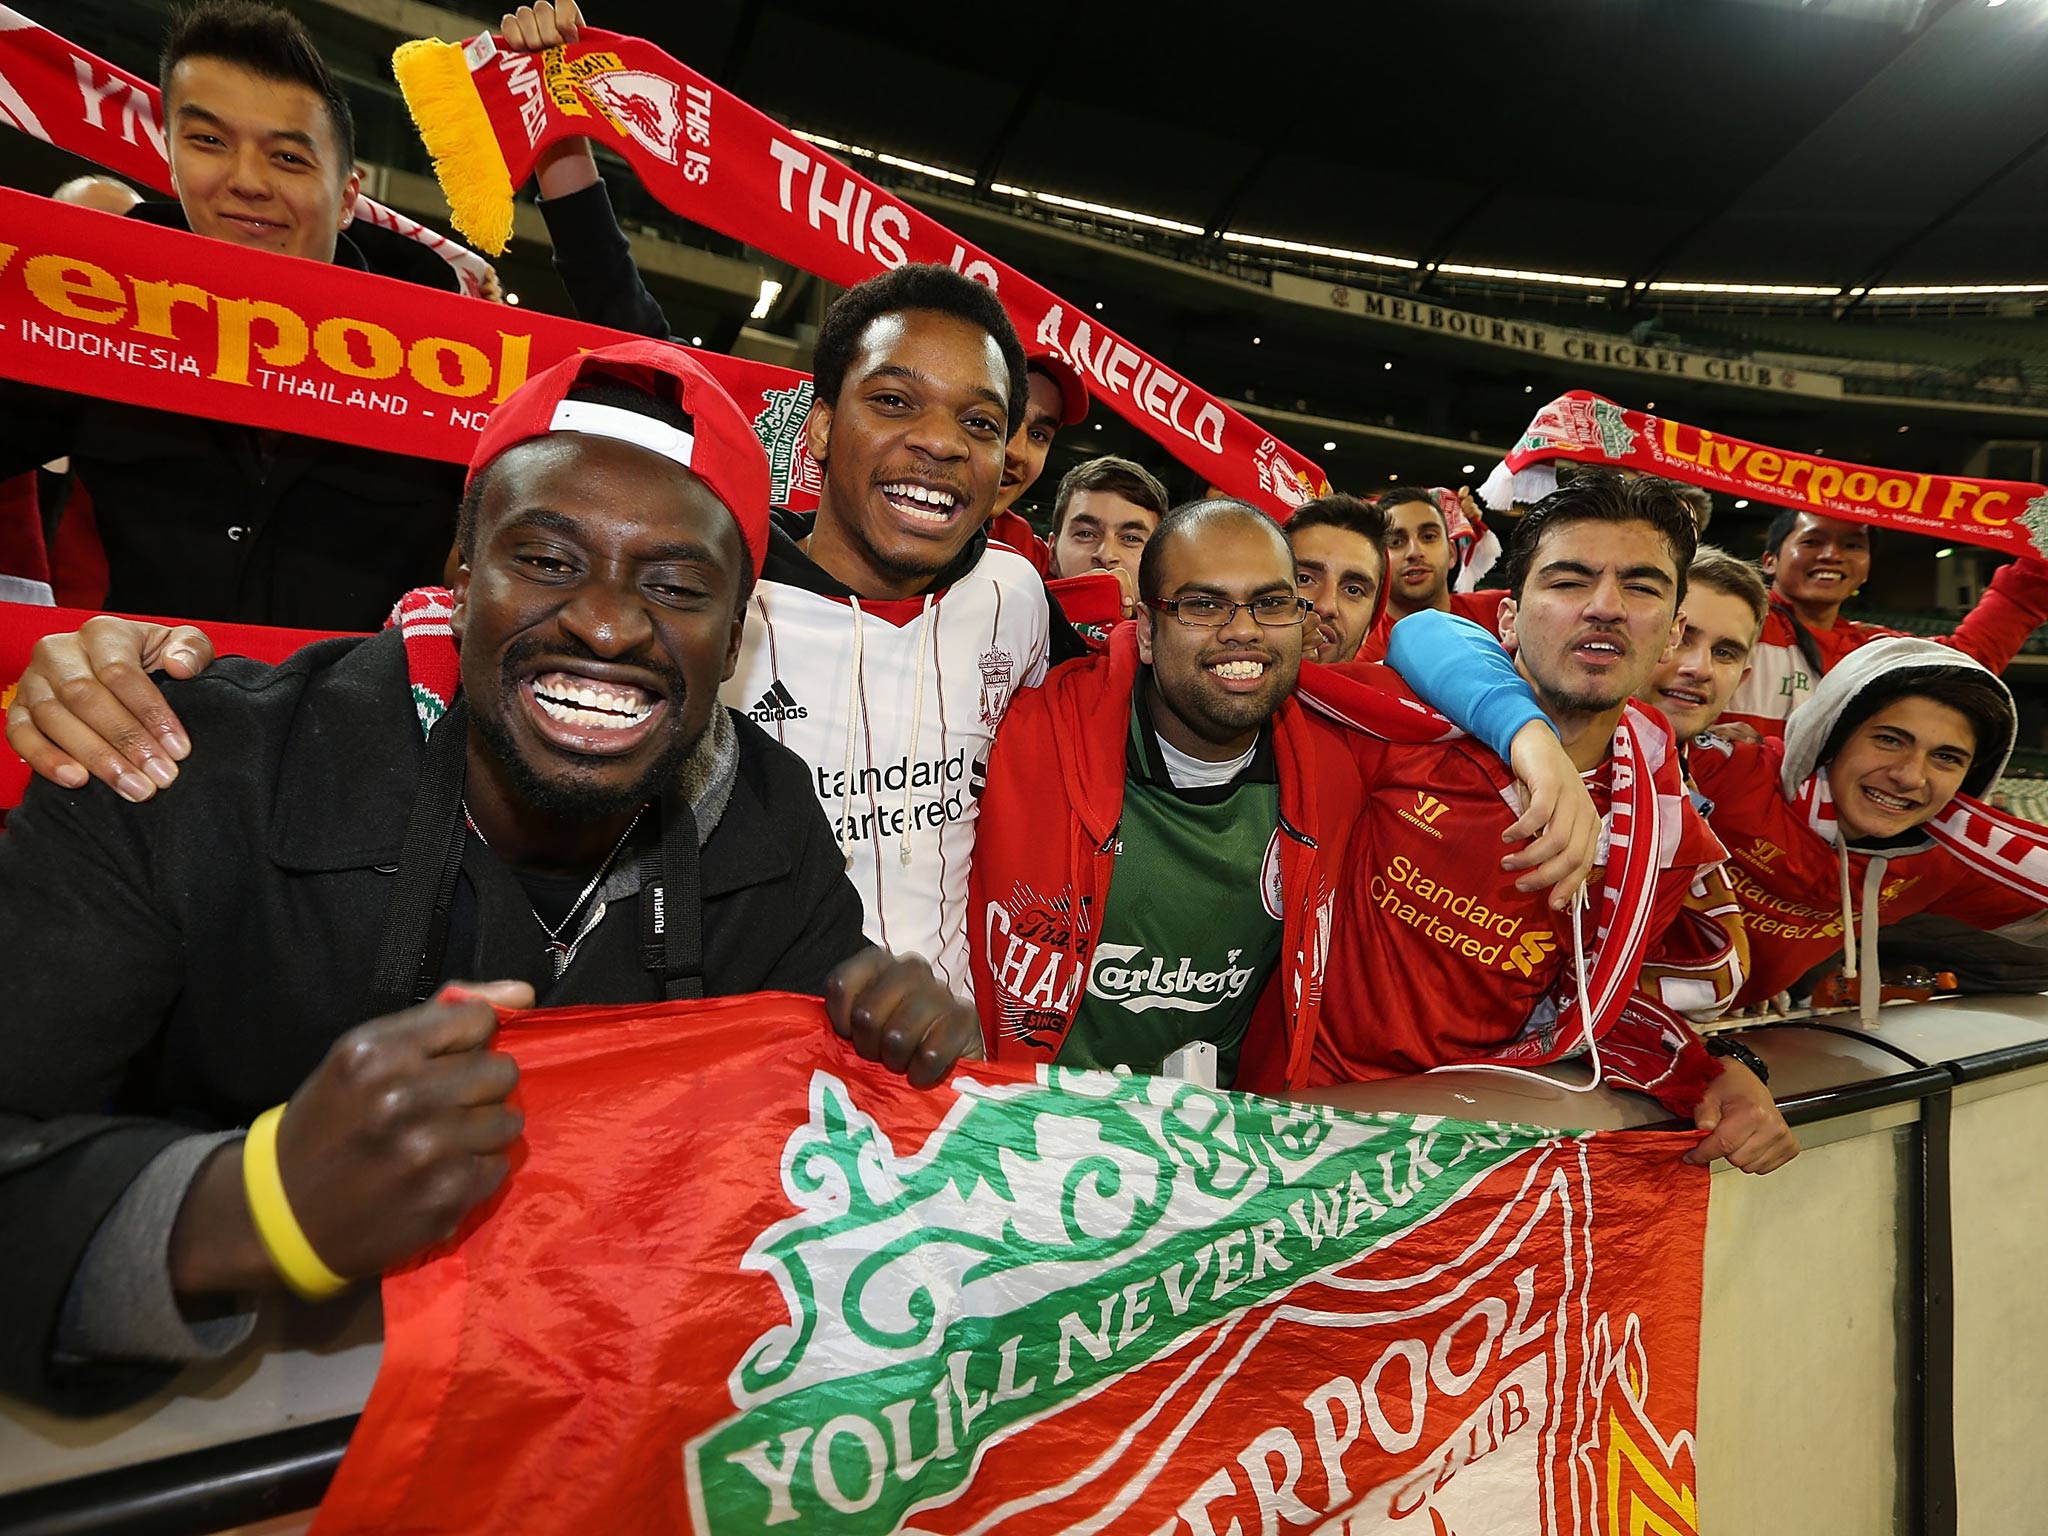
point(845, 823)
point(924, 630)
point(1871, 993)
point(1848, 910)
point(1859, 961)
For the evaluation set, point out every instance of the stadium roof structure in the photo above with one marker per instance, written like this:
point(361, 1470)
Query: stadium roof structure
point(1836, 148)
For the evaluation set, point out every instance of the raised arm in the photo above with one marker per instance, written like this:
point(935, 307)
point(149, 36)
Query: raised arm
point(2012, 608)
point(592, 255)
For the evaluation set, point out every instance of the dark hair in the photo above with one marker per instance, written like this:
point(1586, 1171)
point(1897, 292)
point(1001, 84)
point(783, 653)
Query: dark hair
point(619, 395)
point(265, 41)
point(1969, 691)
point(1715, 568)
point(1118, 476)
point(1187, 518)
point(1401, 495)
point(1788, 519)
point(1601, 496)
point(1348, 514)
point(1698, 500)
point(926, 286)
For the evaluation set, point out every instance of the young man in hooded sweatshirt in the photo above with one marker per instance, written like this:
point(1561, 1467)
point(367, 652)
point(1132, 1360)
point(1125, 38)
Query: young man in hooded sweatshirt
point(1872, 809)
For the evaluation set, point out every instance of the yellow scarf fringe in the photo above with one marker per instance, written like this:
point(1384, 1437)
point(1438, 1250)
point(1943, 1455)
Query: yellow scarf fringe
point(434, 78)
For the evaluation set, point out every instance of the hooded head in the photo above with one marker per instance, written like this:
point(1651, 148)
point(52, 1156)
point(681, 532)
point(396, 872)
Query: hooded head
point(1873, 679)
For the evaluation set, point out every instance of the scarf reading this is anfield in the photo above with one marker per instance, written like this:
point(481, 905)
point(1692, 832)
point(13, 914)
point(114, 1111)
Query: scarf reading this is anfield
point(486, 114)
point(2007, 515)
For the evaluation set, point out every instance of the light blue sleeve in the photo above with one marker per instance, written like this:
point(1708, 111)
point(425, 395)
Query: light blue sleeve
point(1461, 672)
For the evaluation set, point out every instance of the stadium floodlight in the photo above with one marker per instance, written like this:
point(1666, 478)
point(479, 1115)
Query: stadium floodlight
point(770, 292)
point(1306, 248)
point(1517, 274)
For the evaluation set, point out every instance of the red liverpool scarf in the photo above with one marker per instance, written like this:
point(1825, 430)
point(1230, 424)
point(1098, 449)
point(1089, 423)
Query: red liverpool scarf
point(486, 114)
point(65, 96)
point(2008, 515)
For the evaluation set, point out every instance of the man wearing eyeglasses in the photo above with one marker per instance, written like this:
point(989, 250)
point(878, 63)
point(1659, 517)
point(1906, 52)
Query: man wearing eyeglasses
point(1164, 825)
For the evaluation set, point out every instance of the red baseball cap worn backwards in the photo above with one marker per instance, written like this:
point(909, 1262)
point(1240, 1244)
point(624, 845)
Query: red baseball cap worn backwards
point(720, 449)
point(1073, 391)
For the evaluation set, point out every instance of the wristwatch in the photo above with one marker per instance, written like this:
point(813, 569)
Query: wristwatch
point(1729, 1046)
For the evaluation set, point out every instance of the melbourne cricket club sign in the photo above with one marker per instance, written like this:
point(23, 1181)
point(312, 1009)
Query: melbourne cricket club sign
point(1562, 344)
point(742, 1281)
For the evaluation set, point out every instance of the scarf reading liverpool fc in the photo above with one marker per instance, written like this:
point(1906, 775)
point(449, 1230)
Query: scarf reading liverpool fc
point(2008, 515)
point(487, 114)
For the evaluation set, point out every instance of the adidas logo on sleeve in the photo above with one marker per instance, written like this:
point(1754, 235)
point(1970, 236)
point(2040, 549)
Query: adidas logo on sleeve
point(778, 703)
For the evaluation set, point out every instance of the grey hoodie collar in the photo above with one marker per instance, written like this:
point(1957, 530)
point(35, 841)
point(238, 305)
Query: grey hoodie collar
point(1814, 721)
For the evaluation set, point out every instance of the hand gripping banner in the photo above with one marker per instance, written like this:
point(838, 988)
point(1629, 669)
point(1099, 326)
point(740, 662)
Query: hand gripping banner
point(741, 1281)
point(65, 96)
point(2006, 515)
point(486, 114)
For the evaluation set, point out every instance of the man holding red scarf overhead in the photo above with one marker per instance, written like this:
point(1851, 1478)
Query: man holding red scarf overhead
point(214, 519)
point(1815, 564)
point(1493, 974)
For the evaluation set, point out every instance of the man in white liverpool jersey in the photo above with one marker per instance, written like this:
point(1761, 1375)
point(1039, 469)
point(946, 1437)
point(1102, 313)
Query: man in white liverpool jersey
point(887, 635)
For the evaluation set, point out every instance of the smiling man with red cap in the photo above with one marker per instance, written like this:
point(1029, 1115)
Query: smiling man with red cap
point(580, 819)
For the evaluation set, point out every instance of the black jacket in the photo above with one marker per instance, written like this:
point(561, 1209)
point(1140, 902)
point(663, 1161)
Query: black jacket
point(208, 520)
point(186, 963)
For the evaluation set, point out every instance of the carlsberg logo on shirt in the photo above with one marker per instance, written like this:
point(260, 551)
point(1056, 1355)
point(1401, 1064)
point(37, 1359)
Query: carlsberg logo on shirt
point(942, 1296)
point(1122, 975)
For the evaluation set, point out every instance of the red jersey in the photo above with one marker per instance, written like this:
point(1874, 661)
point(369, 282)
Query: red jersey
point(1436, 958)
point(1482, 608)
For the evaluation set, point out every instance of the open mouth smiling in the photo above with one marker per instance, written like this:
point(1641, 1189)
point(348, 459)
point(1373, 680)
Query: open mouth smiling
point(591, 715)
point(922, 503)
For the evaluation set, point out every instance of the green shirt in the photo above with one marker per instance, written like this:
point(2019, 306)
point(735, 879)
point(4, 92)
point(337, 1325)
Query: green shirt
point(1191, 928)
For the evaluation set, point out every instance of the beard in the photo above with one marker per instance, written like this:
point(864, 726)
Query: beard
point(570, 792)
point(1219, 717)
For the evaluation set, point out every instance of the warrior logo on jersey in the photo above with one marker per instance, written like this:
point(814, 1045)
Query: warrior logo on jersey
point(997, 668)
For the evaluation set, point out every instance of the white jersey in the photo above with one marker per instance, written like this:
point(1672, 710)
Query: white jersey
point(893, 705)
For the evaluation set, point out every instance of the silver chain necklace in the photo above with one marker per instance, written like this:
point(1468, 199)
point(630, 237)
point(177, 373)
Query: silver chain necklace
point(560, 950)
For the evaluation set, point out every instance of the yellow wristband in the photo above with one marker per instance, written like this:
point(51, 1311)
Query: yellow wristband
point(278, 1229)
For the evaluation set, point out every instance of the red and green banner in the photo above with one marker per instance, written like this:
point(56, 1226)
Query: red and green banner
point(741, 1281)
point(487, 113)
point(2007, 515)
